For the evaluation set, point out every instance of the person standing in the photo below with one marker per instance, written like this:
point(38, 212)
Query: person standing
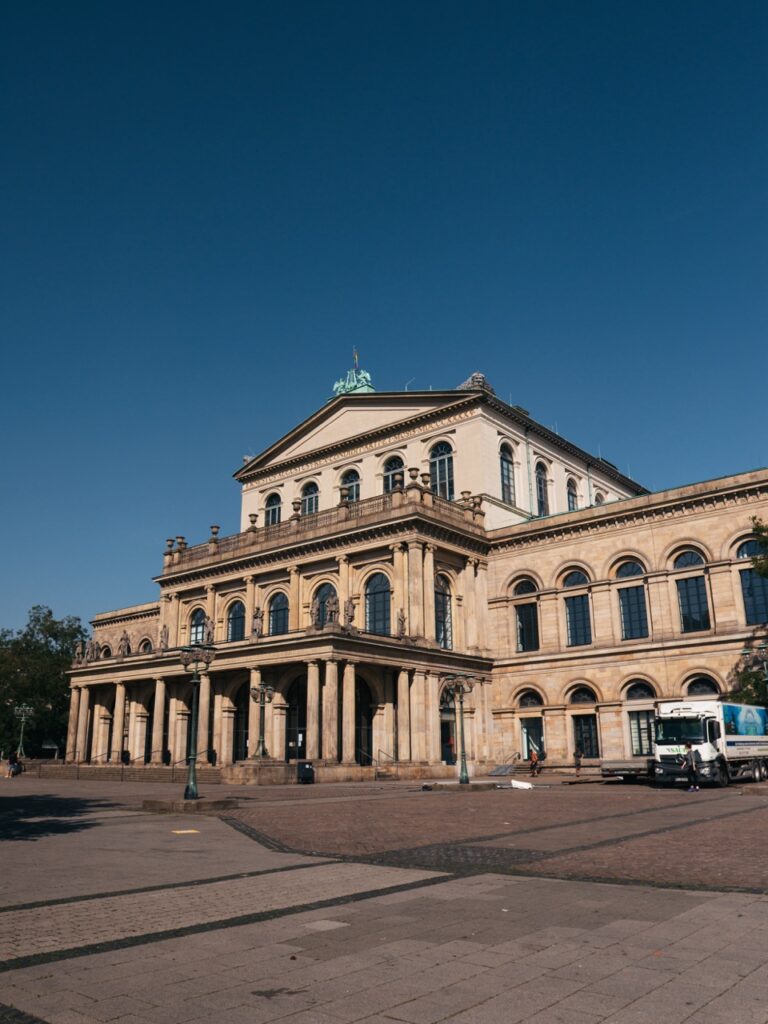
point(691, 760)
point(535, 763)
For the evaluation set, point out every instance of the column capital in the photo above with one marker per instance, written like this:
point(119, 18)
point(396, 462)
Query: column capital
point(415, 544)
point(396, 547)
point(249, 579)
point(331, 661)
point(431, 547)
point(158, 679)
point(209, 588)
point(310, 661)
point(293, 570)
point(342, 559)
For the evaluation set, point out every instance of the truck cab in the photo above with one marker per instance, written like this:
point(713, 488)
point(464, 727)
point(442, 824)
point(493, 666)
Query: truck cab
point(697, 724)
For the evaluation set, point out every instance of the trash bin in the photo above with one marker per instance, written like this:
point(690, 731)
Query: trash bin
point(305, 772)
point(125, 757)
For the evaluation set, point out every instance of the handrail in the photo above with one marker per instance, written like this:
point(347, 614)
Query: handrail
point(386, 753)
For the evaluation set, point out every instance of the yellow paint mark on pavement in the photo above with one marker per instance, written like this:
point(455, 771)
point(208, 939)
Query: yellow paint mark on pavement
point(185, 831)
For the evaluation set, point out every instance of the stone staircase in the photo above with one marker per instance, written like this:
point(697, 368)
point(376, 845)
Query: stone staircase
point(121, 773)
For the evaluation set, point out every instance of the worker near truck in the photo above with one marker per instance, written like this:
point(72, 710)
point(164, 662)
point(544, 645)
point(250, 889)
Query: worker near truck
point(691, 761)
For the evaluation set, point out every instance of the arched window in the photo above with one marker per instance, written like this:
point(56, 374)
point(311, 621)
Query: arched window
point(542, 491)
point(583, 695)
point(754, 588)
point(393, 468)
point(530, 699)
point(443, 617)
point(310, 498)
point(573, 496)
point(575, 578)
point(639, 690)
point(197, 627)
point(692, 594)
point(351, 480)
point(272, 508)
point(599, 497)
point(323, 594)
point(145, 647)
point(703, 686)
point(278, 614)
point(106, 652)
point(687, 559)
point(629, 569)
point(377, 605)
point(526, 617)
point(236, 621)
point(507, 466)
point(441, 470)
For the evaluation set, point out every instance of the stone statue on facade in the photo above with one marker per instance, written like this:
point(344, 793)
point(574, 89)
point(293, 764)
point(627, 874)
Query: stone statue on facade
point(332, 609)
point(78, 655)
point(349, 612)
point(124, 645)
point(208, 630)
point(401, 623)
point(95, 650)
point(164, 637)
point(314, 612)
point(89, 650)
point(257, 628)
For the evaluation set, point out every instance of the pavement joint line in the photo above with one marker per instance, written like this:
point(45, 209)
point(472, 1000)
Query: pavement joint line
point(54, 956)
point(160, 888)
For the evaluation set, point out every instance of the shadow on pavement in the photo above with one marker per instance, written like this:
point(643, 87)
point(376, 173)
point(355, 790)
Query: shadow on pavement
point(28, 817)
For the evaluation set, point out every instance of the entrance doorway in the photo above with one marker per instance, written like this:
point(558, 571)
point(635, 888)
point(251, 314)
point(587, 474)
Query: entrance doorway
point(296, 720)
point(240, 732)
point(533, 736)
point(363, 723)
point(447, 728)
point(585, 735)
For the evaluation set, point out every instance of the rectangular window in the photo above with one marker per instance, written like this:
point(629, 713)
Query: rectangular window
point(641, 732)
point(754, 590)
point(694, 611)
point(634, 618)
point(577, 616)
point(527, 627)
point(585, 735)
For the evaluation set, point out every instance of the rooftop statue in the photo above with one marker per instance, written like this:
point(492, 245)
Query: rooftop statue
point(356, 382)
point(477, 382)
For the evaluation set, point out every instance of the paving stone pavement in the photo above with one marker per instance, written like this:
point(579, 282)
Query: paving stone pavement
point(245, 933)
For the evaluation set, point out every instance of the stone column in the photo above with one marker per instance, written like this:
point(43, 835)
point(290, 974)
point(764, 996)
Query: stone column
point(343, 563)
point(203, 717)
point(279, 714)
point(398, 580)
point(142, 717)
point(662, 608)
point(74, 708)
point(101, 720)
point(118, 723)
point(294, 598)
point(158, 722)
point(550, 638)
point(724, 584)
point(602, 619)
point(330, 711)
point(227, 734)
point(348, 714)
point(481, 604)
point(313, 710)
point(432, 710)
point(250, 603)
point(217, 702)
point(418, 718)
point(555, 738)
point(470, 604)
point(429, 591)
point(81, 744)
point(403, 716)
point(253, 714)
point(387, 739)
point(611, 732)
point(415, 589)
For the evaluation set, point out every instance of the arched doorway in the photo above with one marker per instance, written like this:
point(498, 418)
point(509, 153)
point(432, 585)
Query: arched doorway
point(447, 727)
point(296, 720)
point(363, 723)
point(240, 730)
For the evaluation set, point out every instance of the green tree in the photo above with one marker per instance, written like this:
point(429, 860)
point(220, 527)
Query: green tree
point(33, 670)
point(751, 679)
point(761, 534)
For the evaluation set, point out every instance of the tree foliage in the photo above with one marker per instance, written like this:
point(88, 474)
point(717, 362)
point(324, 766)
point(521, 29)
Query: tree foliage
point(761, 535)
point(33, 666)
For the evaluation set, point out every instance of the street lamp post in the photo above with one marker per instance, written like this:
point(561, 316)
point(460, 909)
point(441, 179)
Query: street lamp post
point(460, 686)
point(263, 694)
point(195, 657)
point(22, 712)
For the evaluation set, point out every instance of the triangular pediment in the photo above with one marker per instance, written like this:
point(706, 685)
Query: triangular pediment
point(348, 418)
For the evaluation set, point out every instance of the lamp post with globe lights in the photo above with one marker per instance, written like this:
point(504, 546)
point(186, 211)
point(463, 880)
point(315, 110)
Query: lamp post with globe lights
point(263, 695)
point(22, 712)
point(194, 658)
point(460, 686)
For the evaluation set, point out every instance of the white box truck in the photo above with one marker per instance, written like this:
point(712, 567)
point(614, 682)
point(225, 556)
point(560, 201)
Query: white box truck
point(732, 741)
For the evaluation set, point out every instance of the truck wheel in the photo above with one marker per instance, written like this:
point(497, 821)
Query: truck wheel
point(758, 772)
point(722, 779)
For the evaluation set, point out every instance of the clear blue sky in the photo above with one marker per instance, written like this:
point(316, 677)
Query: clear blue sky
point(205, 206)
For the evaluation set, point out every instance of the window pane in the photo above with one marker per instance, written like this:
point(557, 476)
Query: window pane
point(692, 597)
point(507, 477)
point(377, 605)
point(310, 499)
point(634, 618)
point(754, 590)
point(527, 627)
point(573, 500)
point(351, 480)
point(236, 622)
point(585, 735)
point(542, 497)
point(392, 468)
point(443, 623)
point(575, 579)
point(197, 631)
point(577, 615)
point(629, 569)
point(641, 731)
point(441, 470)
point(278, 615)
point(272, 510)
point(688, 558)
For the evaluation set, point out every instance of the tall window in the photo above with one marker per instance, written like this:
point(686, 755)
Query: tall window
point(322, 594)
point(527, 619)
point(443, 618)
point(278, 614)
point(377, 605)
point(310, 498)
point(641, 722)
point(272, 508)
point(585, 726)
point(351, 480)
point(542, 493)
point(573, 497)
point(703, 687)
point(754, 588)
point(634, 615)
point(441, 470)
point(507, 466)
point(393, 467)
point(236, 621)
point(692, 594)
point(577, 611)
point(197, 627)
point(628, 569)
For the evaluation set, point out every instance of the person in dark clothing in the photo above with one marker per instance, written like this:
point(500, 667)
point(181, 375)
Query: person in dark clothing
point(691, 760)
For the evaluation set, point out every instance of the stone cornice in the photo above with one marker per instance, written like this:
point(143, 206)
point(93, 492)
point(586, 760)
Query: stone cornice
point(711, 496)
point(125, 615)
